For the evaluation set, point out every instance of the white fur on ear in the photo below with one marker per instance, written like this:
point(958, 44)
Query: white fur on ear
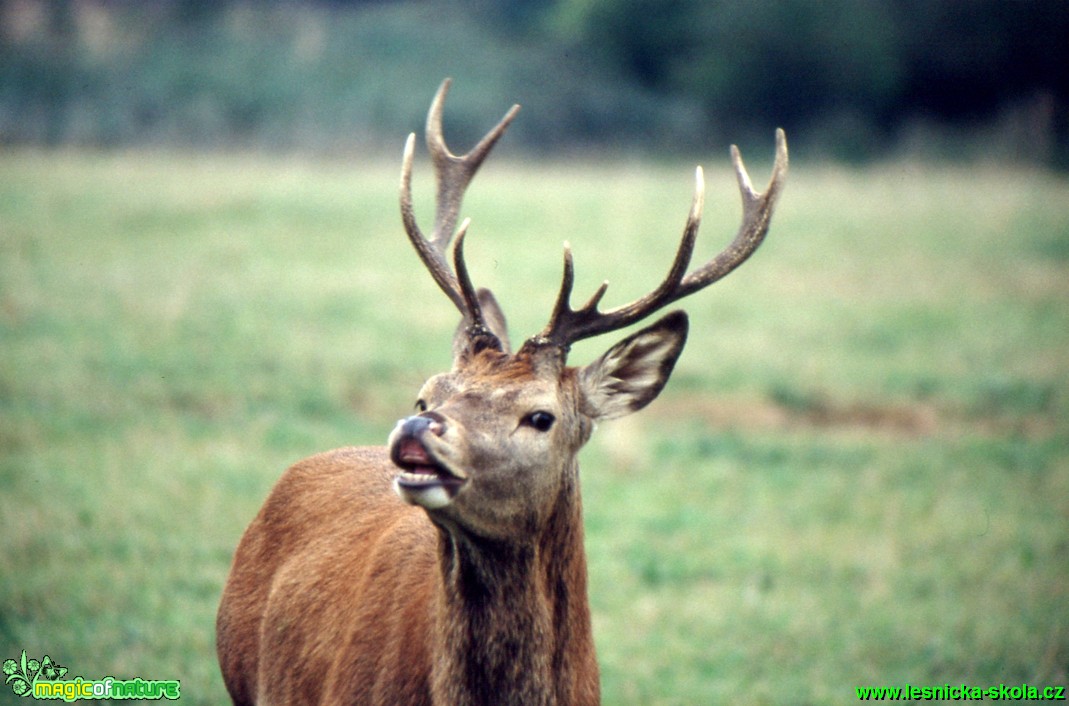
point(634, 371)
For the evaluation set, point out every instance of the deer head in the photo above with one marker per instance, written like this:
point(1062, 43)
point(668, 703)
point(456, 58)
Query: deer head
point(491, 451)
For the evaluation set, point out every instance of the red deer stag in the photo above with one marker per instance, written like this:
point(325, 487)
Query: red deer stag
point(448, 567)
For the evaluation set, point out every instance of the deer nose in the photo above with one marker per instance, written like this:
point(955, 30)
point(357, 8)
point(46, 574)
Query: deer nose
point(428, 421)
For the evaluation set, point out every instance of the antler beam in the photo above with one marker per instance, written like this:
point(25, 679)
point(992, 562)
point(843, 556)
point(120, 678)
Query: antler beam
point(453, 174)
point(568, 325)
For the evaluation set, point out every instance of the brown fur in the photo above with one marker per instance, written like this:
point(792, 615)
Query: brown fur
point(306, 625)
point(341, 592)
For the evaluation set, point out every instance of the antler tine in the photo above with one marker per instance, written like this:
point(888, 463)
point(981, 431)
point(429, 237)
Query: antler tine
point(453, 174)
point(756, 215)
point(476, 326)
point(433, 257)
point(568, 325)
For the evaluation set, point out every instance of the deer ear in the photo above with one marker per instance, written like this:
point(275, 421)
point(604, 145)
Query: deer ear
point(493, 319)
point(632, 373)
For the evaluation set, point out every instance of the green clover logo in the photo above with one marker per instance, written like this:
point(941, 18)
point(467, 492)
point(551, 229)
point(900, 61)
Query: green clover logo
point(21, 675)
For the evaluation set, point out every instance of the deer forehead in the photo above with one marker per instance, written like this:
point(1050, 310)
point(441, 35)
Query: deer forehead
point(497, 391)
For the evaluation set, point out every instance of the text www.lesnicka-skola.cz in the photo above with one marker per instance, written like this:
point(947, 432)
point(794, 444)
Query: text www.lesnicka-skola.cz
point(963, 692)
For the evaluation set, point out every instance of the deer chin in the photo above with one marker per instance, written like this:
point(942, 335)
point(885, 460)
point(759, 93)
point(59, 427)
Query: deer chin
point(422, 480)
point(427, 487)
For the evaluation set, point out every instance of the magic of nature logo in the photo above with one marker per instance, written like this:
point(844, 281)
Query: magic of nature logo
point(44, 679)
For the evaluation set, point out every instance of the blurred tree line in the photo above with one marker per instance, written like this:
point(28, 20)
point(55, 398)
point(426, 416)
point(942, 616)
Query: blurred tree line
point(853, 79)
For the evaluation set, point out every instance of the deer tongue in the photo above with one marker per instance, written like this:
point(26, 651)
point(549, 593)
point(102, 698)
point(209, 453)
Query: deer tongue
point(412, 454)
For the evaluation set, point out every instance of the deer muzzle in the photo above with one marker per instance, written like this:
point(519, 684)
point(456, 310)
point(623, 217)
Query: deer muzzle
point(424, 478)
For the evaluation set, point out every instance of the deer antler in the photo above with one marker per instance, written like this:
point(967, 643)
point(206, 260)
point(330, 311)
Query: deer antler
point(453, 174)
point(568, 325)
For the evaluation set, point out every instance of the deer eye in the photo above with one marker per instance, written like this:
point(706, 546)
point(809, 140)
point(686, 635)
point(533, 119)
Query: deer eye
point(540, 421)
point(421, 406)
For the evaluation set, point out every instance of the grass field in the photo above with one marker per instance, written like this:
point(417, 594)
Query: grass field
point(859, 474)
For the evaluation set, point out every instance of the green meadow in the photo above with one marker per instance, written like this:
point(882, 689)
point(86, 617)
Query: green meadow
point(858, 475)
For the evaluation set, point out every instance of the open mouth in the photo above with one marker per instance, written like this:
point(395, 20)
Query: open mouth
point(422, 480)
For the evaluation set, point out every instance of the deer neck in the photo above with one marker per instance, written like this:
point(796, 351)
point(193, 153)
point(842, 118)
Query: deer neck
point(513, 620)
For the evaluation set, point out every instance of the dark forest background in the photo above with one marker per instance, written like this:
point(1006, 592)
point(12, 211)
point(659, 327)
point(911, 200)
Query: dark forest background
point(848, 79)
